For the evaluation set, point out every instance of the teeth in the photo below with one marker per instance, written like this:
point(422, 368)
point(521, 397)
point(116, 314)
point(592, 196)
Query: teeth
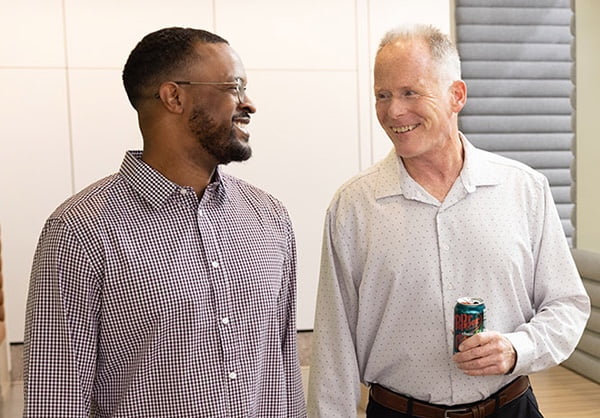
point(403, 129)
point(241, 126)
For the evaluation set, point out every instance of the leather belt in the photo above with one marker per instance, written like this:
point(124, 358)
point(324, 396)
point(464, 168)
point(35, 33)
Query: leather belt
point(487, 407)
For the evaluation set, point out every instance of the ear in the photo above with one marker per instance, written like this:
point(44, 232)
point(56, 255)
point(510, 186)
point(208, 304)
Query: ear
point(458, 92)
point(168, 94)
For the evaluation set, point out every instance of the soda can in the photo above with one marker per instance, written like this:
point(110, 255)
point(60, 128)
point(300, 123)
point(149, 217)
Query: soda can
point(469, 317)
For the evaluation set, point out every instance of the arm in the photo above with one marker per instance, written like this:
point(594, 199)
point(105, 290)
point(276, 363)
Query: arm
point(287, 307)
point(61, 327)
point(334, 384)
point(561, 304)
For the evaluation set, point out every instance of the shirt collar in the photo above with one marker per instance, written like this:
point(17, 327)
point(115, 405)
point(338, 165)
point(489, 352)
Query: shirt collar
point(393, 179)
point(477, 168)
point(152, 185)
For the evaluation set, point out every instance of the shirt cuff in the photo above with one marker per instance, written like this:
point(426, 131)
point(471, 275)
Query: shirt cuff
point(525, 352)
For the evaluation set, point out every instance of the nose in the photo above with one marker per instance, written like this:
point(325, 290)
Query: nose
point(247, 104)
point(397, 107)
point(390, 109)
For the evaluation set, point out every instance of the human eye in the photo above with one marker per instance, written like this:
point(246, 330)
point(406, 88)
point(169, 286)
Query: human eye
point(382, 95)
point(239, 86)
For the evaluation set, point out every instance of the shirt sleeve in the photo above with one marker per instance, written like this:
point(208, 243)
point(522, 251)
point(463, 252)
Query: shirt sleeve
point(60, 328)
point(561, 304)
point(334, 382)
point(295, 395)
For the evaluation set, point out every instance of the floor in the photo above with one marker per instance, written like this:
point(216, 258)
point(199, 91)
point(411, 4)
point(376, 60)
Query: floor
point(561, 393)
point(12, 406)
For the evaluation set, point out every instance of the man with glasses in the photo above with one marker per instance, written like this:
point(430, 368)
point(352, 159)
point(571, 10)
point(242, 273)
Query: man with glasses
point(169, 288)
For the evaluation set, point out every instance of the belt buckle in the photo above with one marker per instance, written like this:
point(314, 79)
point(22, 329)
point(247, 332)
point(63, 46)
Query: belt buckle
point(451, 411)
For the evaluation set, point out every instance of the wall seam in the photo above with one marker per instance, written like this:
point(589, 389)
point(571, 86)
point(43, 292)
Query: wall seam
point(68, 98)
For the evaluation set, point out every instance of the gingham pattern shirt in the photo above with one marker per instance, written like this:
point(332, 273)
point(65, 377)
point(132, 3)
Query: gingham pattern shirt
point(146, 301)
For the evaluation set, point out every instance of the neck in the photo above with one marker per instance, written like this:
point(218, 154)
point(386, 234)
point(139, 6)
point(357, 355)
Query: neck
point(438, 172)
point(181, 169)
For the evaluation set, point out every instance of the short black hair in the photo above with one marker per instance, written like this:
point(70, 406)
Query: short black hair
point(157, 56)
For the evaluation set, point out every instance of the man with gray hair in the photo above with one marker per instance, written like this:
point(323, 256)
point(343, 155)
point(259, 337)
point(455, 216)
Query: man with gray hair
point(437, 220)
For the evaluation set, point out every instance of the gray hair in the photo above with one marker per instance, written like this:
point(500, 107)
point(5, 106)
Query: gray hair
point(443, 51)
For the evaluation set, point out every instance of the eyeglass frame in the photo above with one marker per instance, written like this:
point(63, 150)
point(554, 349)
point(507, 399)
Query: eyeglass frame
point(240, 88)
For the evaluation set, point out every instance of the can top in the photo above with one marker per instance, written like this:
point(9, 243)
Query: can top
point(467, 300)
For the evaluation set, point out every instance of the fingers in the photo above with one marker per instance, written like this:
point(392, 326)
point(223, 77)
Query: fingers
point(486, 353)
point(478, 339)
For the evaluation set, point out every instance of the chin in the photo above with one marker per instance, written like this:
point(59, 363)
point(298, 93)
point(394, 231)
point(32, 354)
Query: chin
point(238, 155)
point(407, 152)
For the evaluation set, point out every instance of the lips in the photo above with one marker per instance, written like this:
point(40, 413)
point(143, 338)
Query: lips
point(242, 123)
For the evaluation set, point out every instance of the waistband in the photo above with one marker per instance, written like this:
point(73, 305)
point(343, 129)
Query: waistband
point(481, 409)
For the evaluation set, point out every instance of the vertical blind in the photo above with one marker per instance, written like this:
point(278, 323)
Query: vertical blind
point(517, 63)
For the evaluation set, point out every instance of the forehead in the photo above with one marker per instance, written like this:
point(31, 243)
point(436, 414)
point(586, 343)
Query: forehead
point(404, 60)
point(217, 60)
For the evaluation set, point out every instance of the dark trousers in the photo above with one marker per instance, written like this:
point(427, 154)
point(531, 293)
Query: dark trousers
point(523, 407)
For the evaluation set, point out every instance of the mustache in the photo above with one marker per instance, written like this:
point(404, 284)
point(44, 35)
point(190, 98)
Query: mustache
point(242, 115)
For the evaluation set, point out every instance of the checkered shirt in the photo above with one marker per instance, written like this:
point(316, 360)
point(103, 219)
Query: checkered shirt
point(147, 301)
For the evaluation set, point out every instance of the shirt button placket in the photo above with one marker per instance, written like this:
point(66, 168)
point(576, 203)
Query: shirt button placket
point(225, 322)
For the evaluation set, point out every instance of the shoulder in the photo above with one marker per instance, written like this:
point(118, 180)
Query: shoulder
point(92, 204)
point(246, 195)
point(239, 186)
point(80, 221)
point(512, 170)
point(363, 186)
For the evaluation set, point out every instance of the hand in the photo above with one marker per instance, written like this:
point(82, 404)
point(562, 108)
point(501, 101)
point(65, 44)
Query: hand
point(486, 353)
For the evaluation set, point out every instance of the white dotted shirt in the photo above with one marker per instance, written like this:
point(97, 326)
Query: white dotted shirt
point(395, 260)
point(146, 302)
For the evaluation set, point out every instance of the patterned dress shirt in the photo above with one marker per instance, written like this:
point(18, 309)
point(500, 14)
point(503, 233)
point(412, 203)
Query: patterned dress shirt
point(146, 301)
point(395, 260)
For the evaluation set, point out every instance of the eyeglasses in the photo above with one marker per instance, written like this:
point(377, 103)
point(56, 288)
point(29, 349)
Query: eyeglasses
point(238, 85)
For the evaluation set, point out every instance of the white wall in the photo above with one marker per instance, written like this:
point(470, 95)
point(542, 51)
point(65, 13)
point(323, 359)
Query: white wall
point(65, 120)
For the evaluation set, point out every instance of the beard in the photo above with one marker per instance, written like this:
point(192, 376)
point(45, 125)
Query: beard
point(221, 142)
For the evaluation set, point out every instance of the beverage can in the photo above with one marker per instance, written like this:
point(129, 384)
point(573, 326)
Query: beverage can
point(469, 318)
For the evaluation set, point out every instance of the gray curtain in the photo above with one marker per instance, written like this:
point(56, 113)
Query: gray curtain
point(517, 63)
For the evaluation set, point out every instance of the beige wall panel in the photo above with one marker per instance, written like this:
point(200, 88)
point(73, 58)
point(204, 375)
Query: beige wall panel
point(104, 125)
point(588, 142)
point(101, 33)
point(31, 33)
point(276, 34)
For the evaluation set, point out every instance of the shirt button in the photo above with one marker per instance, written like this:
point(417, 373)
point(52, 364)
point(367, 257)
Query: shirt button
point(446, 247)
point(225, 321)
point(183, 191)
point(200, 212)
point(215, 264)
point(232, 375)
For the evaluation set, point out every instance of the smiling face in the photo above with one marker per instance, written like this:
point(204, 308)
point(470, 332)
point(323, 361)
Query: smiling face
point(217, 119)
point(415, 106)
